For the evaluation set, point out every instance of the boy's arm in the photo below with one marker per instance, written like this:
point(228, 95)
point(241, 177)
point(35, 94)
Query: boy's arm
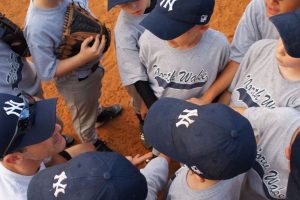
point(221, 84)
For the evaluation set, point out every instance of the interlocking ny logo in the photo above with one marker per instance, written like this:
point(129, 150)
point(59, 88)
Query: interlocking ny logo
point(58, 186)
point(13, 107)
point(195, 169)
point(167, 3)
point(203, 18)
point(185, 118)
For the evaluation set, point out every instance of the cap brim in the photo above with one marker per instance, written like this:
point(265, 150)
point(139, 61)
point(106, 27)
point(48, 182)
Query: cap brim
point(164, 27)
point(287, 25)
point(113, 3)
point(44, 123)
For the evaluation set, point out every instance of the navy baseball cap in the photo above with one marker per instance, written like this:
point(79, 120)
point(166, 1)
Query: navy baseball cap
point(171, 18)
point(112, 3)
point(293, 188)
point(288, 26)
point(44, 120)
point(90, 176)
point(213, 140)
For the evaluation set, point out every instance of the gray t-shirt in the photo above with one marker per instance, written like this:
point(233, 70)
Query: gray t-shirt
point(258, 82)
point(223, 190)
point(274, 129)
point(16, 73)
point(182, 74)
point(254, 25)
point(43, 32)
point(127, 33)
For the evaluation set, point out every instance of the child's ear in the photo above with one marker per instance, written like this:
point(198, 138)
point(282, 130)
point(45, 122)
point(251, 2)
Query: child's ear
point(13, 158)
point(288, 152)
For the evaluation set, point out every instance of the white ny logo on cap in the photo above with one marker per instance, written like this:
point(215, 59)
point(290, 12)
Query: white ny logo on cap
point(167, 3)
point(195, 169)
point(185, 118)
point(203, 18)
point(14, 106)
point(58, 186)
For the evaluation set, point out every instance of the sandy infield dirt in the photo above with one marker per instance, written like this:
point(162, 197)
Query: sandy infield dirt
point(122, 133)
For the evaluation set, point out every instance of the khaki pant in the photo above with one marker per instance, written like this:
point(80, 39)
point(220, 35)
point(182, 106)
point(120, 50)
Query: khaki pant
point(82, 100)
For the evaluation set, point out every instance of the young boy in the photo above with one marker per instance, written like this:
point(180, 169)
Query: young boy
point(29, 136)
point(215, 143)
point(104, 176)
point(17, 73)
point(77, 78)
point(275, 131)
point(269, 75)
point(127, 33)
point(254, 25)
point(181, 55)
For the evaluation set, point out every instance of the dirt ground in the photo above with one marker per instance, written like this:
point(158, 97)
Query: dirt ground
point(122, 133)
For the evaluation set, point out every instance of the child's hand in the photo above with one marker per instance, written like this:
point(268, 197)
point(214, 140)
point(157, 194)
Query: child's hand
point(89, 53)
point(138, 159)
point(200, 101)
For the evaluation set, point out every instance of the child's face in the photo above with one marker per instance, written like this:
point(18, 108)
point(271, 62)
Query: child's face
point(189, 38)
point(275, 7)
point(135, 8)
point(284, 59)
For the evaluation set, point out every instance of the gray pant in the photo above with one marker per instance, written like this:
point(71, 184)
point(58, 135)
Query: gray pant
point(82, 100)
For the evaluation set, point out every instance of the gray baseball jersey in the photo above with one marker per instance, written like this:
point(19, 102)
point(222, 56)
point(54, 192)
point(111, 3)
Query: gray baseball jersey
point(225, 189)
point(274, 129)
point(16, 73)
point(254, 25)
point(43, 32)
point(182, 74)
point(127, 33)
point(156, 174)
point(258, 82)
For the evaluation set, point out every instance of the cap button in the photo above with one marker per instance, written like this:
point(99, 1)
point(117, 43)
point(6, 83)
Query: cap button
point(234, 134)
point(106, 175)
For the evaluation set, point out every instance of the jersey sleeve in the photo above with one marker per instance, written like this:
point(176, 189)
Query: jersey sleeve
point(127, 33)
point(156, 173)
point(42, 51)
point(224, 59)
point(247, 31)
point(280, 120)
point(144, 54)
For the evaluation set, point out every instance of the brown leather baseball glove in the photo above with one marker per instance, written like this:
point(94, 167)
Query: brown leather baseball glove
point(13, 36)
point(79, 24)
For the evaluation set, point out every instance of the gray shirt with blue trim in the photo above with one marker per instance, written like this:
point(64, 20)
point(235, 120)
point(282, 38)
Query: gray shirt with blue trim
point(254, 25)
point(274, 129)
point(182, 74)
point(43, 32)
point(222, 190)
point(259, 83)
point(17, 73)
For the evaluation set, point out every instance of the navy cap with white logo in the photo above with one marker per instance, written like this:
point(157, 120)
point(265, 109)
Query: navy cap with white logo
point(213, 139)
point(288, 26)
point(90, 176)
point(171, 18)
point(112, 3)
point(43, 123)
